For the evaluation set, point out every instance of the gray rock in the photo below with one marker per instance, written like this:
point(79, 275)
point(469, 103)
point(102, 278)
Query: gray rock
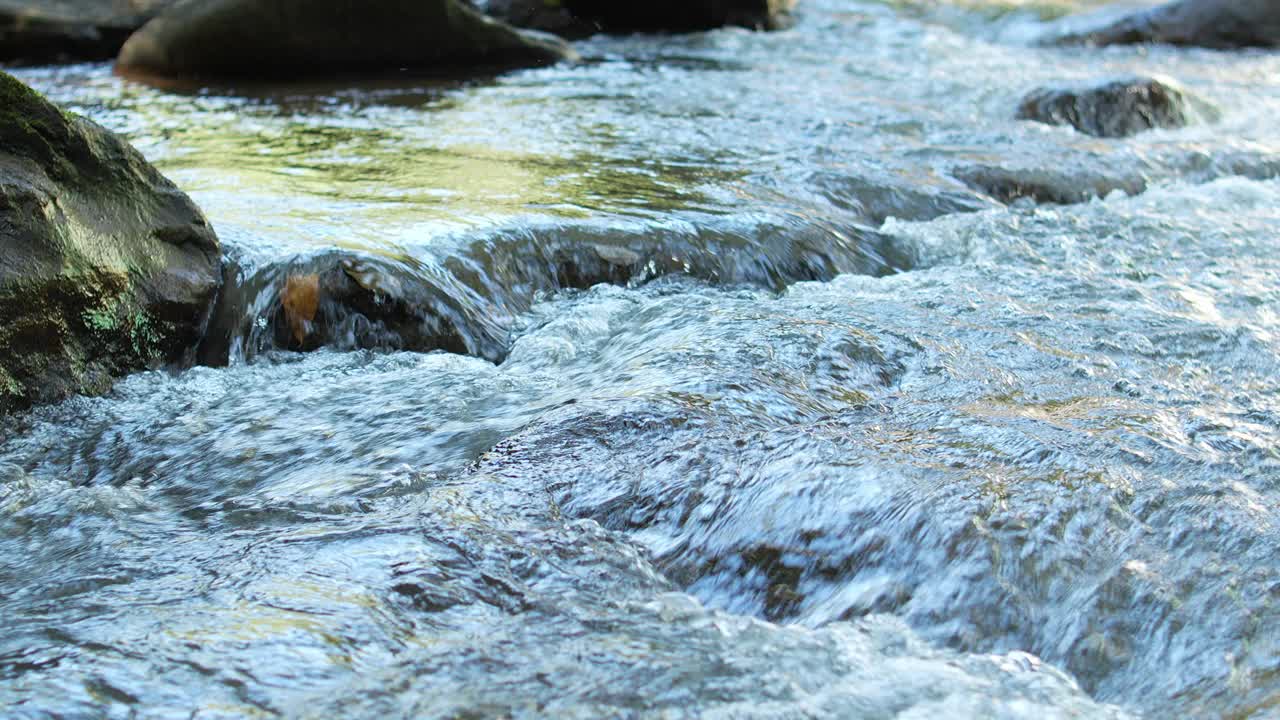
point(41, 31)
point(105, 266)
point(295, 38)
point(1057, 186)
point(1220, 24)
point(1117, 108)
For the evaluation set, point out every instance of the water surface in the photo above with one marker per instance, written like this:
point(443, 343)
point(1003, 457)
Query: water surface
point(855, 430)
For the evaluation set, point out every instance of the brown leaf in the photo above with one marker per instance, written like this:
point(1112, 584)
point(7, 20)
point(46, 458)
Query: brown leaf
point(301, 300)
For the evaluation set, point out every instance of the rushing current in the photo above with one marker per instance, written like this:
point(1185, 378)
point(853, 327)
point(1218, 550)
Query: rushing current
point(901, 409)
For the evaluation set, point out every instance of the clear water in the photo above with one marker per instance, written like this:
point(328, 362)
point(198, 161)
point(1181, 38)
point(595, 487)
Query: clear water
point(887, 447)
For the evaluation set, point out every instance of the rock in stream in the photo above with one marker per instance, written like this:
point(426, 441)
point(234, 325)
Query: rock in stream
point(1219, 24)
point(295, 38)
point(35, 31)
point(466, 301)
point(107, 266)
point(1116, 108)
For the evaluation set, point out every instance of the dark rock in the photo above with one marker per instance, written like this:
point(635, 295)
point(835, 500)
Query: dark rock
point(41, 31)
point(466, 302)
point(296, 38)
point(1219, 24)
point(876, 198)
point(1058, 186)
point(105, 266)
point(1117, 108)
point(682, 15)
point(545, 15)
point(345, 301)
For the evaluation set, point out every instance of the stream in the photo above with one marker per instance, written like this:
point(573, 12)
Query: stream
point(901, 407)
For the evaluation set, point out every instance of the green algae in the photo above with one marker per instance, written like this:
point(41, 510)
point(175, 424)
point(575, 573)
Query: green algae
point(8, 385)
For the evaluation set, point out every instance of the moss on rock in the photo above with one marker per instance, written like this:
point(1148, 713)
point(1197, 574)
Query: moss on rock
point(106, 266)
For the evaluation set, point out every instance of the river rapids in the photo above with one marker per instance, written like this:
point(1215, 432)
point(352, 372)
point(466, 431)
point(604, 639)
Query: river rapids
point(905, 408)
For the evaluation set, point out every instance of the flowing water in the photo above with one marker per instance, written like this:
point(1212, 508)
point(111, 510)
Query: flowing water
point(771, 376)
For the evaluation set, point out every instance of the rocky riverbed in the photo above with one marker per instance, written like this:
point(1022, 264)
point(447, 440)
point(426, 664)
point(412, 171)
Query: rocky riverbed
point(839, 371)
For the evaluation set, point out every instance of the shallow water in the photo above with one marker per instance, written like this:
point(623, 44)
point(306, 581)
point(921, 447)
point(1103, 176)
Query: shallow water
point(851, 431)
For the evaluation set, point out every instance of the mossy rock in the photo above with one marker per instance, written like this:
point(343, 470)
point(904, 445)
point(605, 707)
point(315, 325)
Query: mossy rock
point(286, 39)
point(105, 266)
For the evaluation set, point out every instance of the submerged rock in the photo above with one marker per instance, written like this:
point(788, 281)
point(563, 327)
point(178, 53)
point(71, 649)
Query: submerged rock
point(1220, 24)
point(466, 301)
point(105, 266)
point(292, 38)
point(42, 31)
point(671, 15)
point(876, 197)
point(1058, 186)
point(349, 302)
point(1116, 108)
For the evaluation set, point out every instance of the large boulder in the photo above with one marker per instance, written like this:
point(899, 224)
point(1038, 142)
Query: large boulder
point(678, 15)
point(1220, 24)
point(40, 31)
point(1117, 108)
point(293, 38)
point(105, 266)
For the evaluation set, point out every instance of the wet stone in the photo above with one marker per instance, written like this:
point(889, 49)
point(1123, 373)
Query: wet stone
point(1219, 24)
point(1117, 108)
point(877, 199)
point(466, 301)
point(105, 266)
point(292, 39)
point(1049, 185)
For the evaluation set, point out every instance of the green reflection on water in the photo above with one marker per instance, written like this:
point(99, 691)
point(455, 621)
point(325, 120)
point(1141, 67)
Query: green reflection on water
point(362, 170)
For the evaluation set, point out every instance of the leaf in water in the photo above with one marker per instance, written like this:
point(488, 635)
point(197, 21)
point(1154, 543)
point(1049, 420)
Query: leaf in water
point(301, 301)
